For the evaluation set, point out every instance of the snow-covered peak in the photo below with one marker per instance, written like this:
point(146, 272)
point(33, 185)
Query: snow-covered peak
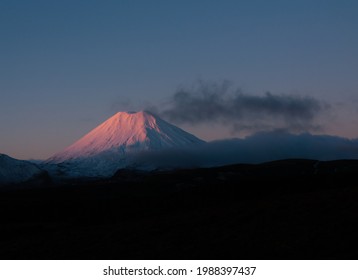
point(123, 134)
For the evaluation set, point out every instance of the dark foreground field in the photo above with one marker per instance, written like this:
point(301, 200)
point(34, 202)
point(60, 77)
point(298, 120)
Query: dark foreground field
point(294, 209)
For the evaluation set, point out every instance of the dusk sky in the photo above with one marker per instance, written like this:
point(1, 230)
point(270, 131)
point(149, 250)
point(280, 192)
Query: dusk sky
point(66, 66)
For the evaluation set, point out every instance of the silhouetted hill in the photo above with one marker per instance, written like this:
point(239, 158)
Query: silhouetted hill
point(290, 209)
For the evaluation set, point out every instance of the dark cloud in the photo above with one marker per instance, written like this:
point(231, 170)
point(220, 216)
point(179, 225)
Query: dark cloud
point(257, 148)
point(213, 102)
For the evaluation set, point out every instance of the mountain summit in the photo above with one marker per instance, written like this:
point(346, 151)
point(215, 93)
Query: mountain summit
point(107, 147)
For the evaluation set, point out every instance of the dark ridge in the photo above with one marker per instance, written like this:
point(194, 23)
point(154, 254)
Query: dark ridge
point(39, 180)
point(290, 209)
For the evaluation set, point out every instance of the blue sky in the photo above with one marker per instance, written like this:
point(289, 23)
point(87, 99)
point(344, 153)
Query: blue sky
point(66, 66)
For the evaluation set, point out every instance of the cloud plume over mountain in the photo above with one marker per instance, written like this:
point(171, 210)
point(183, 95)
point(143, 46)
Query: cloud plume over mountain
point(219, 102)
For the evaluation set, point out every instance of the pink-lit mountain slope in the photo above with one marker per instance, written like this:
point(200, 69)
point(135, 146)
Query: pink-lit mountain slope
point(109, 146)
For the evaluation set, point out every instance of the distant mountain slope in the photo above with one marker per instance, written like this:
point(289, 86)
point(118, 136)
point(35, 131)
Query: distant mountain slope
point(108, 147)
point(14, 171)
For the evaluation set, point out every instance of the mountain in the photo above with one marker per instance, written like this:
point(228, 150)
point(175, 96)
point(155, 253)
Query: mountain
point(110, 146)
point(13, 171)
